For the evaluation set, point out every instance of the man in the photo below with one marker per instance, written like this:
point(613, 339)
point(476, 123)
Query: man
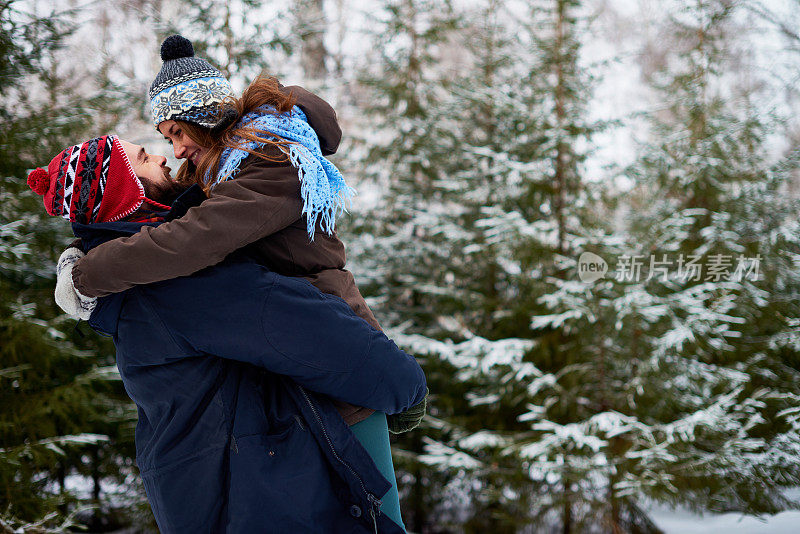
point(80, 200)
point(224, 444)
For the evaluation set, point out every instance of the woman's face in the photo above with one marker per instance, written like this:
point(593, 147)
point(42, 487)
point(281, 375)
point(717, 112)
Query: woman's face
point(183, 146)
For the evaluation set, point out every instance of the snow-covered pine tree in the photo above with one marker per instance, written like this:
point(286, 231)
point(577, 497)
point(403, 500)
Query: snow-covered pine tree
point(571, 384)
point(514, 211)
point(406, 145)
point(61, 411)
point(401, 252)
point(660, 396)
point(498, 240)
point(718, 394)
point(545, 384)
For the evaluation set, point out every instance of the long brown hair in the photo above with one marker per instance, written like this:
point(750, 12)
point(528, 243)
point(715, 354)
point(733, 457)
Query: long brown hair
point(264, 91)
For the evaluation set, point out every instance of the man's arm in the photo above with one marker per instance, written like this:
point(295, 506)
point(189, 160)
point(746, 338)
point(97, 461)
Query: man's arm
point(285, 325)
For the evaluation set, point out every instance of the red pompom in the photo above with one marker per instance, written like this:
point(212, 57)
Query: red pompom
point(39, 181)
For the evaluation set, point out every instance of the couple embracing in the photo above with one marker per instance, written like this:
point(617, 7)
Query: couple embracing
point(265, 388)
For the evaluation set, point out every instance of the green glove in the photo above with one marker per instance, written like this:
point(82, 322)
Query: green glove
point(409, 419)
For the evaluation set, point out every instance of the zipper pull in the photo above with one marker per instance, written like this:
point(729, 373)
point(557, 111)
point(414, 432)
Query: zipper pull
point(375, 507)
point(376, 502)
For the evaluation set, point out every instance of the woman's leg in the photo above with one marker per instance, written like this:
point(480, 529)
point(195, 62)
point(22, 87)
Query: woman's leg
point(373, 433)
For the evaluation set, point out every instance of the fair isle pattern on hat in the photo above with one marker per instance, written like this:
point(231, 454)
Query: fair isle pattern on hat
point(101, 186)
point(90, 183)
point(198, 99)
point(69, 180)
point(207, 73)
point(78, 167)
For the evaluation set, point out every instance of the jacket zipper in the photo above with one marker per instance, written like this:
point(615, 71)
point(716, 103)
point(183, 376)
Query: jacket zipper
point(375, 503)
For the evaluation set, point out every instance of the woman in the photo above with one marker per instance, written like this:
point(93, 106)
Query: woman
point(277, 197)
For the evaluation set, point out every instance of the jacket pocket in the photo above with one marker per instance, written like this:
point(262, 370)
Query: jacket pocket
point(280, 483)
point(265, 440)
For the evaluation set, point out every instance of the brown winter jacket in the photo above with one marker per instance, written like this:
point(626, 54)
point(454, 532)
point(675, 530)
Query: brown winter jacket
point(260, 210)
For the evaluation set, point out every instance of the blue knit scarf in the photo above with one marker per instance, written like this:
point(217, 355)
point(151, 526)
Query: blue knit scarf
point(322, 187)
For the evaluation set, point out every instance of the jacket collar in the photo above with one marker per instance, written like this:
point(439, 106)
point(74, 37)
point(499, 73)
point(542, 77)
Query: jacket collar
point(93, 235)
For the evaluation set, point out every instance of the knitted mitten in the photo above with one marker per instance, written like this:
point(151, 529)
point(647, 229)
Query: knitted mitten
point(409, 419)
point(67, 297)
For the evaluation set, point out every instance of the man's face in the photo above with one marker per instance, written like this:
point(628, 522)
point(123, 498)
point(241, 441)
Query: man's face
point(153, 173)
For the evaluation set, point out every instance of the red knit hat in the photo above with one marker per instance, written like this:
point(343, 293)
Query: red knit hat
point(90, 183)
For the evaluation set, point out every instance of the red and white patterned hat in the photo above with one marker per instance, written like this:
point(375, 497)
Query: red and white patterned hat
point(92, 182)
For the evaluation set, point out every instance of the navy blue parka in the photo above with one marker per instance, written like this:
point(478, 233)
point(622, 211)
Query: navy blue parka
point(231, 370)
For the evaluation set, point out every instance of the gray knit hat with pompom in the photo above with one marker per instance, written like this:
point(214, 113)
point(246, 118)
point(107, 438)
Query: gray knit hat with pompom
point(187, 88)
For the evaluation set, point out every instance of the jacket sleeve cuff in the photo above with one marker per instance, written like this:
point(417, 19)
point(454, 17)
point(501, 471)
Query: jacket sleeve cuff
point(83, 292)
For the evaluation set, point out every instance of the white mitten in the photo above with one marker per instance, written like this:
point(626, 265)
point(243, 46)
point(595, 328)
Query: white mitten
point(68, 299)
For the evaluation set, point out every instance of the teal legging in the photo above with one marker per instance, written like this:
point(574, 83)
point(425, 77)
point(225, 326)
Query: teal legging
point(373, 433)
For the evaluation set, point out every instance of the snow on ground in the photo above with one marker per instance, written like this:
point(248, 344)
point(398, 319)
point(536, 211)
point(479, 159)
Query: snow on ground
point(682, 521)
point(686, 522)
